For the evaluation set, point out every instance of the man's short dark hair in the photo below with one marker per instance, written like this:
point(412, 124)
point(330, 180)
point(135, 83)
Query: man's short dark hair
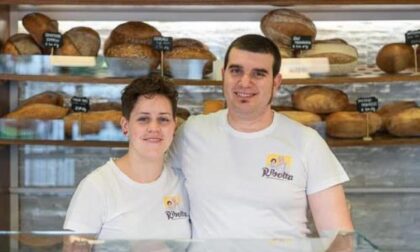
point(257, 44)
point(148, 87)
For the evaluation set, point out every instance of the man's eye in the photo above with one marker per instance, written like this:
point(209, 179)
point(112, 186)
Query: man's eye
point(235, 71)
point(259, 74)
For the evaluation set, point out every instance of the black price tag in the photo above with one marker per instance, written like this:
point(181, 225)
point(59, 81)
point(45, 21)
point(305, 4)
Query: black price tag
point(162, 43)
point(301, 42)
point(80, 104)
point(412, 37)
point(52, 39)
point(367, 104)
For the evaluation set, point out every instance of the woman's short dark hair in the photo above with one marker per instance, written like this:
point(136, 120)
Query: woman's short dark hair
point(257, 44)
point(148, 87)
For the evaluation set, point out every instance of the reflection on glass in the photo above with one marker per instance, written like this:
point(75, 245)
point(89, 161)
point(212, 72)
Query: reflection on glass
point(31, 129)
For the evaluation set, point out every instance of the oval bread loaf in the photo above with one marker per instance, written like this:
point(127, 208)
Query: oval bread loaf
point(37, 24)
point(405, 123)
point(38, 111)
point(80, 41)
point(132, 32)
point(21, 44)
point(303, 117)
point(352, 124)
point(91, 122)
point(281, 24)
point(319, 99)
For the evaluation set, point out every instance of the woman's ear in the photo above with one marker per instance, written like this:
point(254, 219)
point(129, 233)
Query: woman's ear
point(124, 125)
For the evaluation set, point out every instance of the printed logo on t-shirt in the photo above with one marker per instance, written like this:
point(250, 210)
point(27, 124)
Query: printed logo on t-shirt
point(174, 207)
point(277, 167)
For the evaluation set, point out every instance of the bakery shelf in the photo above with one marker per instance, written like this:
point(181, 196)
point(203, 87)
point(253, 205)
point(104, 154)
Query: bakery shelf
point(208, 2)
point(378, 140)
point(84, 143)
point(384, 140)
point(363, 74)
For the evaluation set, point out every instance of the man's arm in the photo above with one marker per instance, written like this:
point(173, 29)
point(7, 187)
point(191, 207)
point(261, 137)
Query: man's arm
point(329, 210)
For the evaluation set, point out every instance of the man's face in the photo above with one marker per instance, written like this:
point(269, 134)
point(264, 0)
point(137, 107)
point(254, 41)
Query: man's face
point(248, 82)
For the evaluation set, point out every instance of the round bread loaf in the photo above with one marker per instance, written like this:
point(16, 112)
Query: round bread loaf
point(188, 42)
point(21, 44)
point(134, 51)
point(352, 124)
point(281, 24)
point(38, 111)
point(405, 123)
point(91, 122)
point(37, 24)
point(303, 117)
point(390, 109)
point(132, 32)
point(101, 106)
point(342, 57)
point(285, 51)
point(319, 99)
point(80, 41)
point(211, 106)
point(192, 52)
point(395, 57)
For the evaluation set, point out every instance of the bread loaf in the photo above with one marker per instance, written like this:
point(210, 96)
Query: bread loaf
point(319, 99)
point(281, 24)
point(352, 124)
point(342, 57)
point(390, 109)
point(47, 97)
point(21, 44)
point(211, 106)
point(91, 122)
point(80, 41)
point(192, 52)
point(305, 118)
point(132, 32)
point(37, 24)
point(405, 123)
point(188, 42)
point(395, 57)
point(38, 111)
point(134, 51)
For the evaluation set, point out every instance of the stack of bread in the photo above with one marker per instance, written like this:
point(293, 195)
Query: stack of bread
point(187, 48)
point(401, 118)
point(133, 39)
point(280, 25)
point(78, 41)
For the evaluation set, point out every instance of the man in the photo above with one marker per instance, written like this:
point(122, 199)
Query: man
point(225, 157)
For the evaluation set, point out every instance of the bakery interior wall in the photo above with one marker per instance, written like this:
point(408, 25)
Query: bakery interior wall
point(384, 189)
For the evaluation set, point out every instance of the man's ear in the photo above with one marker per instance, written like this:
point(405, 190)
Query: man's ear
point(277, 82)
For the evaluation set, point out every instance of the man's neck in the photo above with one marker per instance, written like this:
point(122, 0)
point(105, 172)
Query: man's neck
point(250, 123)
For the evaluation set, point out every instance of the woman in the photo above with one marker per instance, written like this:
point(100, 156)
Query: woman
point(137, 196)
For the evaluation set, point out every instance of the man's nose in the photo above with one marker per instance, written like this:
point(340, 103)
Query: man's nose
point(246, 80)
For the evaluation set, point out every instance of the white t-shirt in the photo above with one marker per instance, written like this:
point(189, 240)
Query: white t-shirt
point(108, 202)
point(252, 185)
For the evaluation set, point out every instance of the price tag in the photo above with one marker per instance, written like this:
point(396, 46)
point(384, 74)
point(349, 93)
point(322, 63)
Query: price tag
point(412, 37)
point(301, 42)
point(80, 104)
point(367, 104)
point(162, 43)
point(52, 39)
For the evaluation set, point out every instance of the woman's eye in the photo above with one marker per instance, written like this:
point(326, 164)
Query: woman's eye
point(143, 119)
point(163, 120)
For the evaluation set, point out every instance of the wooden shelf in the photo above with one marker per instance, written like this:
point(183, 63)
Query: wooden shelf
point(382, 140)
point(71, 143)
point(363, 74)
point(378, 140)
point(207, 2)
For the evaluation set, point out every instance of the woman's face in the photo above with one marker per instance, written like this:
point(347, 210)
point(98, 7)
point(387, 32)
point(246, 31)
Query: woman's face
point(151, 126)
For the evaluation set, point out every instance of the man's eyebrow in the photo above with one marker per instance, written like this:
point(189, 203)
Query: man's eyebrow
point(235, 66)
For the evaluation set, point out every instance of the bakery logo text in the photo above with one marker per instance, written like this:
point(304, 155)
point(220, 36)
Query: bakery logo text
point(172, 204)
point(277, 167)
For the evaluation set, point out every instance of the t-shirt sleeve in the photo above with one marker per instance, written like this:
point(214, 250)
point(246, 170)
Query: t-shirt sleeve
point(323, 168)
point(87, 209)
point(176, 150)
